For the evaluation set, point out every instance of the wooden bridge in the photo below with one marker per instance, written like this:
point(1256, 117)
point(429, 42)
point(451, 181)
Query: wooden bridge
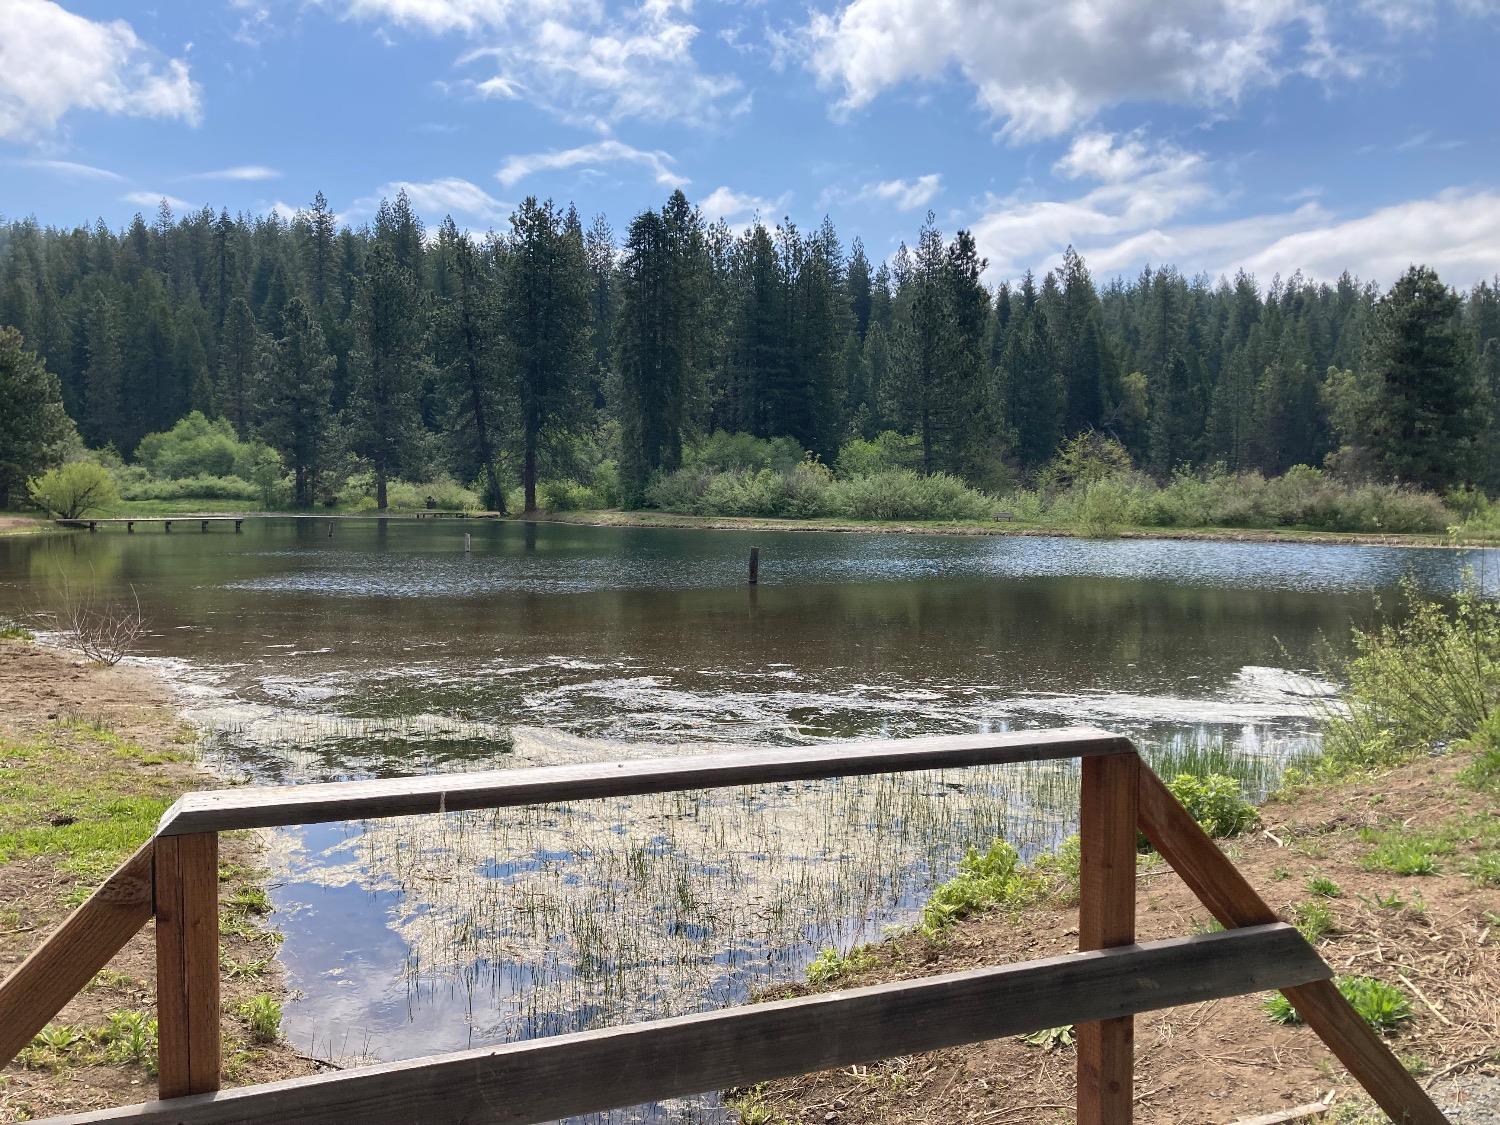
point(174, 876)
point(129, 522)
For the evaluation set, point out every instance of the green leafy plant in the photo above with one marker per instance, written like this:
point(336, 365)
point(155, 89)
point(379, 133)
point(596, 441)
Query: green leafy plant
point(1313, 919)
point(1324, 886)
point(1383, 1006)
point(262, 1014)
point(985, 879)
point(830, 964)
point(1217, 802)
point(1051, 1038)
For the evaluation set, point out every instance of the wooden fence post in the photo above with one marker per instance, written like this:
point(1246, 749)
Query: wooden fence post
point(187, 963)
point(1106, 917)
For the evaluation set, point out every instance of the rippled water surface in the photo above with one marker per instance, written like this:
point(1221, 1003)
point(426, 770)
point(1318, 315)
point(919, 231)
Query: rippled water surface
point(384, 648)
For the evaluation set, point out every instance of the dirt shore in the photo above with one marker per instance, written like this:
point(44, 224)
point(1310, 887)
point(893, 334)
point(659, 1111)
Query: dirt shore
point(617, 518)
point(89, 757)
point(1436, 937)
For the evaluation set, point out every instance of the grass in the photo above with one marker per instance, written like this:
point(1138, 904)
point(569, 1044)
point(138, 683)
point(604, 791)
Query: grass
point(1313, 919)
point(124, 1038)
point(830, 964)
point(1324, 887)
point(77, 793)
point(985, 880)
point(262, 1016)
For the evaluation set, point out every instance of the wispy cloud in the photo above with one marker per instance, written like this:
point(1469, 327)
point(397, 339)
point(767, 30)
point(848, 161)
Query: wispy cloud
point(71, 169)
point(905, 195)
point(239, 172)
point(740, 207)
point(518, 167)
point(154, 199)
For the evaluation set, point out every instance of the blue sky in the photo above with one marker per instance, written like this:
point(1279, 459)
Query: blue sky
point(1211, 134)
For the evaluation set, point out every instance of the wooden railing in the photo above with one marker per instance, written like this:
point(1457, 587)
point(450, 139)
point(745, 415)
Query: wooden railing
point(1100, 989)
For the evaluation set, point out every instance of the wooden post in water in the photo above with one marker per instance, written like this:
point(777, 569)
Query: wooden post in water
point(754, 566)
point(330, 529)
point(1106, 917)
point(186, 880)
point(468, 542)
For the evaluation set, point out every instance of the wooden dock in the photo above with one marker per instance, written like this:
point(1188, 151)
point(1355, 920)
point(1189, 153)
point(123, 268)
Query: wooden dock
point(129, 522)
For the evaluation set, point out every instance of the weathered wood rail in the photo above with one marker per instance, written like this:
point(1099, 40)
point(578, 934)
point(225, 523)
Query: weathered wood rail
point(1101, 988)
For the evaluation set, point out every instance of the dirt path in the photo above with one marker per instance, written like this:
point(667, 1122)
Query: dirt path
point(88, 759)
point(1220, 1061)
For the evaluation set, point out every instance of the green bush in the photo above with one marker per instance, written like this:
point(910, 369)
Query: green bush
point(198, 446)
point(73, 490)
point(192, 488)
point(886, 451)
point(901, 494)
point(358, 493)
point(985, 879)
point(722, 452)
point(1383, 1006)
point(1216, 802)
point(1431, 677)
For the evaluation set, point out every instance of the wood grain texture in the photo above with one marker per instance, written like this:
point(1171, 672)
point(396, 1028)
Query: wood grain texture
point(187, 964)
point(405, 796)
point(547, 1079)
point(1230, 898)
point(1106, 917)
point(56, 970)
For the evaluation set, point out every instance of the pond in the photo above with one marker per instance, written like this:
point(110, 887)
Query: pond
point(314, 649)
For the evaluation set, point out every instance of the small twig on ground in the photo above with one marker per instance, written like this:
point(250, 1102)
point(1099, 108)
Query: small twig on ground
point(1422, 996)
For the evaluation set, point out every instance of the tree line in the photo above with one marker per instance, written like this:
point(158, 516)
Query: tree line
point(505, 357)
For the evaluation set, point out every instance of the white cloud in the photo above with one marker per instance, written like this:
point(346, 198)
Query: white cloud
point(725, 203)
point(1156, 204)
point(71, 169)
point(522, 165)
point(905, 195)
point(240, 172)
point(1045, 66)
point(53, 62)
point(590, 65)
point(1142, 186)
point(154, 199)
point(450, 196)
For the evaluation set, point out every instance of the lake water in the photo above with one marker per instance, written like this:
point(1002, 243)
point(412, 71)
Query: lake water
point(384, 648)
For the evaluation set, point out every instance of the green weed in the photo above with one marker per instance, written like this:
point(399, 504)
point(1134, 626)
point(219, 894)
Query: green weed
point(1313, 919)
point(262, 1015)
point(829, 964)
point(1323, 886)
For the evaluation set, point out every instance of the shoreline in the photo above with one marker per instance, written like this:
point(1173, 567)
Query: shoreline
point(16, 526)
point(89, 758)
point(613, 517)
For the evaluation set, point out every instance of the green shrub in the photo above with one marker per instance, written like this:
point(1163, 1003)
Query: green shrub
point(194, 488)
point(1102, 507)
point(566, 496)
point(1313, 919)
point(1216, 802)
point(829, 964)
point(1430, 677)
point(888, 450)
point(901, 494)
point(722, 452)
point(1324, 887)
point(199, 447)
point(74, 490)
point(985, 879)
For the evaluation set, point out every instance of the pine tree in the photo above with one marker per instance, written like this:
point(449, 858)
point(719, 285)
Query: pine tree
point(103, 374)
point(1033, 382)
point(1425, 415)
point(34, 428)
point(295, 410)
point(388, 365)
point(545, 310)
point(469, 345)
point(240, 357)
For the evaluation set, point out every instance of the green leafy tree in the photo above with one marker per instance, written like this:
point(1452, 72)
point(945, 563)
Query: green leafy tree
point(35, 430)
point(74, 490)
